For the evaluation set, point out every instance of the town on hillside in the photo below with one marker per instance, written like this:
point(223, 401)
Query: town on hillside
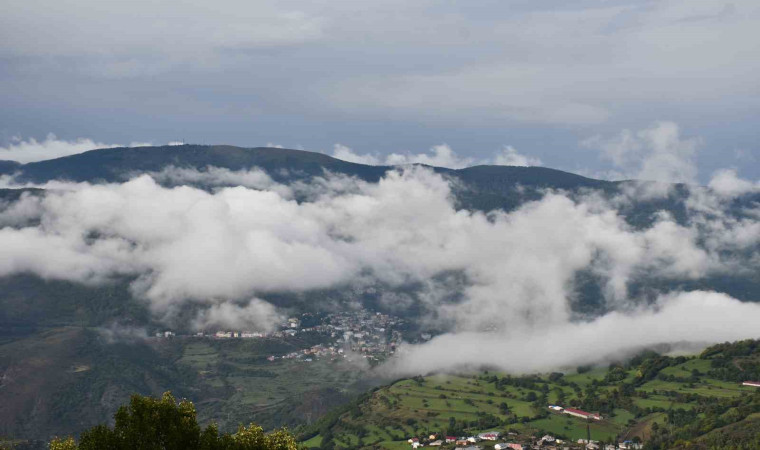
point(352, 334)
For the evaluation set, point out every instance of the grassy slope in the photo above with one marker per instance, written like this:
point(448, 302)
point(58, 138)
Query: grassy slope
point(411, 407)
point(63, 380)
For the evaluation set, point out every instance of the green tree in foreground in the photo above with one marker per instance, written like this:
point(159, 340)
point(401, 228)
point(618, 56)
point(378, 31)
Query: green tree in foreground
point(163, 424)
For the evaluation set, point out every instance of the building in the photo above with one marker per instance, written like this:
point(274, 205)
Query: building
point(582, 414)
point(548, 439)
point(751, 383)
point(556, 408)
point(508, 445)
point(489, 435)
point(450, 439)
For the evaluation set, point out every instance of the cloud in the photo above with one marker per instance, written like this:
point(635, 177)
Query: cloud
point(256, 315)
point(31, 150)
point(344, 153)
point(218, 249)
point(727, 183)
point(657, 153)
point(117, 332)
point(218, 177)
point(440, 155)
point(682, 319)
point(509, 156)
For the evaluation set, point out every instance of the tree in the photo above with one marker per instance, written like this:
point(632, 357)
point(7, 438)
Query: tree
point(163, 424)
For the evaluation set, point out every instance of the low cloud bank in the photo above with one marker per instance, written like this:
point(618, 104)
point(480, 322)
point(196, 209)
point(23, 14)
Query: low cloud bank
point(216, 250)
point(683, 319)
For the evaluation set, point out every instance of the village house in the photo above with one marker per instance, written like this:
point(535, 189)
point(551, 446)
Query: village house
point(508, 445)
point(547, 440)
point(489, 435)
point(582, 414)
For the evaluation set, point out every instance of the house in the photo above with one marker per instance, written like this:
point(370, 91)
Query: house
point(582, 414)
point(489, 436)
point(432, 437)
point(461, 442)
point(437, 443)
point(751, 383)
point(450, 439)
point(556, 408)
point(412, 440)
point(547, 439)
point(508, 445)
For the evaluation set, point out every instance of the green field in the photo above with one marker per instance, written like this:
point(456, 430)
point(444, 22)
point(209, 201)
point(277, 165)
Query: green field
point(637, 400)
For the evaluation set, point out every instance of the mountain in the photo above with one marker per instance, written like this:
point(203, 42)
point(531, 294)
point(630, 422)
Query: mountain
point(479, 188)
point(65, 364)
point(8, 167)
point(116, 164)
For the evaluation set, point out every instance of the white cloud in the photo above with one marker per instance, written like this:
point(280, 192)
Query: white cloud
point(340, 151)
point(214, 248)
point(727, 183)
point(509, 156)
point(31, 150)
point(657, 153)
point(256, 315)
point(440, 155)
point(683, 319)
point(216, 177)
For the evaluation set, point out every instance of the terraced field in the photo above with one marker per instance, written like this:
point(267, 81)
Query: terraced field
point(633, 399)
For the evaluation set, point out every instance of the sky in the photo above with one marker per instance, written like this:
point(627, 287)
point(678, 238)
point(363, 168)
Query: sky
point(594, 87)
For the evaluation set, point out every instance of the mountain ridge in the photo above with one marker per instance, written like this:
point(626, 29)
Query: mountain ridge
point(80, 167)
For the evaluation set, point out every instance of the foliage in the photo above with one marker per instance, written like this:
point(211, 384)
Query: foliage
point(149, 423)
